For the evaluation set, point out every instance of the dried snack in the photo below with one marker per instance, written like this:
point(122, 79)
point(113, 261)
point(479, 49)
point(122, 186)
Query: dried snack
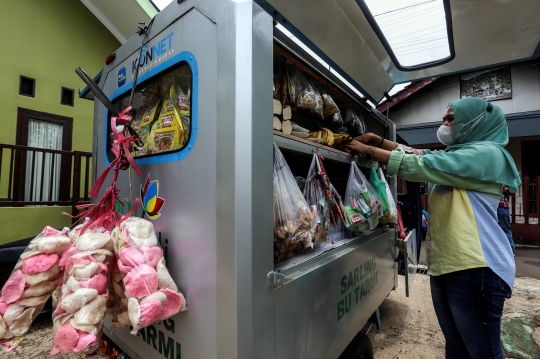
point(362, 203)
point(330, 107)
point(293, 221)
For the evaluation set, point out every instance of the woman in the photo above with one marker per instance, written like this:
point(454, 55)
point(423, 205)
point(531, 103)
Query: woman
point(470, 260)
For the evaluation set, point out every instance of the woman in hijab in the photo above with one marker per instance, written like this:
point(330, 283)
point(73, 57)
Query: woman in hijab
point(469, 257)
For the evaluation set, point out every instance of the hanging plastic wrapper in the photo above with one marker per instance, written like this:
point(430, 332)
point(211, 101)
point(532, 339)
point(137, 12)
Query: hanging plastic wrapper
point(307, 99)
point(293, 220)
point(354, 122)
point(78, 316)
point(323, 199)
point(389, 216)
point(32, 282)
point(148, 292)
point(362, 203)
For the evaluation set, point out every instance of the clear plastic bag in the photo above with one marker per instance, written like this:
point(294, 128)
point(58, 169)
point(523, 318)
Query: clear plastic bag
point(330, 108)
point(391, 215)
point(283, 87)
point(293, 220)
point(354, 122)
point(307, 99)
point(32, 282)
point(323, 199)
point(78, 317)
point(337, 120)
point(146, 288)
point(362, 203)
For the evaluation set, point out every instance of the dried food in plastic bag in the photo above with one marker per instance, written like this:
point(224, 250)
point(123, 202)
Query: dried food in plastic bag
point(78, 316)
point(362, 203)
point(293, 220)
point(337, 120)
point(142, 284)
point(354, 122)
point(330, 108)
point(306, 97)
point(323, 199)
point(32, 282)
point(283, 86)
point(389, 216)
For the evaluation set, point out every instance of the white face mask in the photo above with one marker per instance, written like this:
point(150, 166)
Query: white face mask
point(445, 134)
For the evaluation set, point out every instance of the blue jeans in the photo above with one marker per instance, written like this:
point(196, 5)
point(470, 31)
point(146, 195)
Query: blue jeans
point(503, 215)
point(469, 306)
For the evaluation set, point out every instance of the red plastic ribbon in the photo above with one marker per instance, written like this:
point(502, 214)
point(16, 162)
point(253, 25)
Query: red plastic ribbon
point(103, 214)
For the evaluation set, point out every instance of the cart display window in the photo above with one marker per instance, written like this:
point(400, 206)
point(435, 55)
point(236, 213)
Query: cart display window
point(162, 112)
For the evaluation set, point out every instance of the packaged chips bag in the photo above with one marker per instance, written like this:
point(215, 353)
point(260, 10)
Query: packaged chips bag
point(32, 282)
point(142, 124)
point(149, 293)
point(362, 203)
point(78, 316)
point(167, 132)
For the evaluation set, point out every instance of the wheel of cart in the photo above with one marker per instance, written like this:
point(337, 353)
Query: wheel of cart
point(359, 348)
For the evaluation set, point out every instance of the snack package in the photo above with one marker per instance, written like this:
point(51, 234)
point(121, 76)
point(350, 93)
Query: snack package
point(142, 124)
point(389, 216)
point(307, 99)
point(330, 108)
point(354, 122)
point(78, 317)
point(283, 86)
point(337, 120)
point(167, 132)
point(149, 293)
point(324, 202)
point(293, 221)
point(32, 282)
point(380, 188)
point(181, 95)
point(362, 204)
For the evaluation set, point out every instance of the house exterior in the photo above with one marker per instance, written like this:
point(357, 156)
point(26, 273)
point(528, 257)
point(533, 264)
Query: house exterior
point(418, 109)
point(42, 43)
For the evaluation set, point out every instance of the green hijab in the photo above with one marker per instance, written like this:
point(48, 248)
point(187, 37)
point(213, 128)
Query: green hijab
point(480, 132)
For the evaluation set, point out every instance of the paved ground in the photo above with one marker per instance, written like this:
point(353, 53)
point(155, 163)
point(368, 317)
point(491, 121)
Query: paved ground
point(528, 261)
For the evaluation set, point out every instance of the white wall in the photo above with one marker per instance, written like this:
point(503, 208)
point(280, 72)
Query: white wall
point(430, 106)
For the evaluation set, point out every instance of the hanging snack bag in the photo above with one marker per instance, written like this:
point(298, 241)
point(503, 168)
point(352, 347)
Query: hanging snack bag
point(167, 133)
point(325, 203)
point(181, 95)
point(293, 220)
point(380, 188)
point(78, 317)
point(32, 282)
point(150, 292)
point(283, 87)
point(362, 204)
point(389, 216)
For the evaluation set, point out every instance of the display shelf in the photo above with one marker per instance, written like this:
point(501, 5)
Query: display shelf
point(297, 144)
point(311, 256)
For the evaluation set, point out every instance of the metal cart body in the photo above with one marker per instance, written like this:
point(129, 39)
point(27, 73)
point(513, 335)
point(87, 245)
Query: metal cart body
point(216, 226)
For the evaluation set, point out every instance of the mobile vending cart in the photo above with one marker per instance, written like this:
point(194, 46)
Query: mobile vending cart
point(212, 199)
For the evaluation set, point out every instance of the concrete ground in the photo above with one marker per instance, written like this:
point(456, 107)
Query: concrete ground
point(411, 331)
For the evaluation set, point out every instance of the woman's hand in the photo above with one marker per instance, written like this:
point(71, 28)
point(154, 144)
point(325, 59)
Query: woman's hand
point(368, 137)
point(359, 147)
point(381, 155)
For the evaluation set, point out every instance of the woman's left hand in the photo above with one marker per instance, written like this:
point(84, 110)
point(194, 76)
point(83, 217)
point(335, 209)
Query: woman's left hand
point(359, 147)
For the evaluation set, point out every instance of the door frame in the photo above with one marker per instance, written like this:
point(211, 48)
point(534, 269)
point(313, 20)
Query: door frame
point(23, 115)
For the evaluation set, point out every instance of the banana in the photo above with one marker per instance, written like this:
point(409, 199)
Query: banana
point(324, 135)
point(330, 138)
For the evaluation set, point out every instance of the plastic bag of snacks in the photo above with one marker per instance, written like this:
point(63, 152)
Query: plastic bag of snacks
point(78, 317)
point(354, 122)
point(380, 188)
point(306, 97)
point(32, 282)
point(325, 203)
point(151, 293)
point(293, 221)
point(391, 215)
point(330, 107)
point(362, 204)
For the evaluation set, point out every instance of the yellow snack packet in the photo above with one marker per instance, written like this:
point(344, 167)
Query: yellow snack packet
point(167, 132)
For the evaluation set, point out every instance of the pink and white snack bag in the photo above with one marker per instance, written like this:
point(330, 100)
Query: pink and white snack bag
point(33, 280)
point(148, 294)
point(81, 300)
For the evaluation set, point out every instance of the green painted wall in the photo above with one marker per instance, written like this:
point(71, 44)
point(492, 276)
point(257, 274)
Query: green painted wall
point(46, 40)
